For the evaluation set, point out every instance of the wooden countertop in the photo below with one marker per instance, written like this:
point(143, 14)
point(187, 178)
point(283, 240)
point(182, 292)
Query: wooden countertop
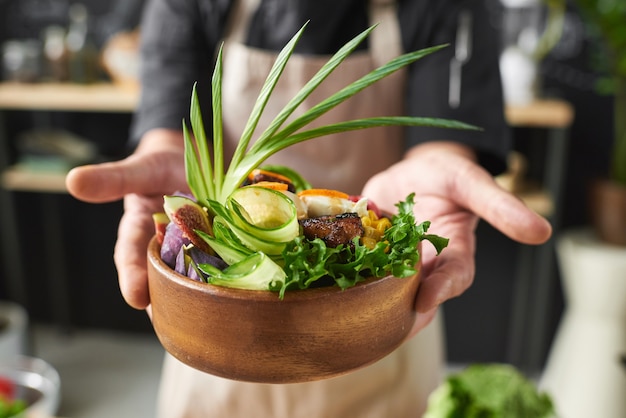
point(99, 97)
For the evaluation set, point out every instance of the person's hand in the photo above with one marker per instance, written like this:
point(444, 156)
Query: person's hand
point(452, 192)
point(154, 169)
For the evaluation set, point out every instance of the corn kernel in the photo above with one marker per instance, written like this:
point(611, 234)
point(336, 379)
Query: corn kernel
point(368, 242)
point(382, 225)
point(372, 233)
point(373, 228)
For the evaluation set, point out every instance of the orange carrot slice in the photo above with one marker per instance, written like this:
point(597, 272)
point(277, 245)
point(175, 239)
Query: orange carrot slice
point(324, 192)
point(274, 185)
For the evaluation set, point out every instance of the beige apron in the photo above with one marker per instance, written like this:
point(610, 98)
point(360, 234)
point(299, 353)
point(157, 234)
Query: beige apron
point(396, 386)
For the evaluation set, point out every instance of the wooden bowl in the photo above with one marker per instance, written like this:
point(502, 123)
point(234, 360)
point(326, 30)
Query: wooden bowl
point(254, 336)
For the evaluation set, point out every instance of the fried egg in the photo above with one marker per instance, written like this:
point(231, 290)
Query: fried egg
point(322, 202)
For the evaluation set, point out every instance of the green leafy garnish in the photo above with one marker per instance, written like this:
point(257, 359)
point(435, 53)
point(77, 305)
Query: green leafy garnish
point(205, 176)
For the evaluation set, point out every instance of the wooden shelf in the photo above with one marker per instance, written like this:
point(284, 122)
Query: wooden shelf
point(103, 97)
point(534, 196)
point(113, 98)
point(100, 97)
point(549, 114)
point(552, 114)
point(18, 178)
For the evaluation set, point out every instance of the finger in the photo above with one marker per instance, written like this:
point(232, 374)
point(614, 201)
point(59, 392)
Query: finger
point(135, 231)
point(452, 274)
point(479, 193)
point(144, 174)
point(421, 321)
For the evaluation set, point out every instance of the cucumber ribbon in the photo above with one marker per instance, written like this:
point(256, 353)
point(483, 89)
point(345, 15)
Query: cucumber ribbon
point(255, 224)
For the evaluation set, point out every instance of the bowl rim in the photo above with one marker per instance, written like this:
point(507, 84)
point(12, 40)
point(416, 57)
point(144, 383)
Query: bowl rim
point(296, 295)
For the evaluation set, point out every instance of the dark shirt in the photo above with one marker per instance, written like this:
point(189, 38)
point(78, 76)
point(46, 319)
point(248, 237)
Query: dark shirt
point(180, 38)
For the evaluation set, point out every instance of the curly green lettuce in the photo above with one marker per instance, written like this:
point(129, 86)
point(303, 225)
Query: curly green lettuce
point(309, 263)
point(489, 391)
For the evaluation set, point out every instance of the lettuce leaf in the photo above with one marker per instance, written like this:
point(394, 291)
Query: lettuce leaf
point(489, 391)
point(310, 263)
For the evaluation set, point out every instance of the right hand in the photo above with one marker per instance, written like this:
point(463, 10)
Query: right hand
point(452, 192)
point(156, 168)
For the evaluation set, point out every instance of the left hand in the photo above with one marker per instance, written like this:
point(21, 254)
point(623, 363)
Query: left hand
point(154, 169)
point(453, 192)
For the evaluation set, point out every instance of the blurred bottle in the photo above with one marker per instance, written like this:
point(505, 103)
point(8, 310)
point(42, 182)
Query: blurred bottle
point(21, 60)
point(83, 54)
point(530, 29)
point(56, 54)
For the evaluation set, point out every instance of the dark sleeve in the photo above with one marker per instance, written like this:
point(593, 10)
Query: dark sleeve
point(432, 23)
point(178, 43)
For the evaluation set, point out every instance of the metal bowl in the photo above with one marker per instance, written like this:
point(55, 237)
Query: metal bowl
point(36, 382)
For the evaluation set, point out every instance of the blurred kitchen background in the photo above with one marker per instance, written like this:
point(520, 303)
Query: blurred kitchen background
point(56, 252)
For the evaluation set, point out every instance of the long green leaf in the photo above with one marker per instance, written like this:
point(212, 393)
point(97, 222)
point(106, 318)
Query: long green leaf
point(309, 87)
point(201, 144)
point(372, 123)
point(264, 95)
point(252, 160)
point(218, 137)
point(355, 87)
point(193, 172)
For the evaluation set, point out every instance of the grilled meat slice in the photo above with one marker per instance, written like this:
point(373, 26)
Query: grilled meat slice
point(333, 230)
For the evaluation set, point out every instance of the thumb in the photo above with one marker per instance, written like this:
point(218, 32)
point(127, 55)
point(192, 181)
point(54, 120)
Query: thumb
point(147, 174)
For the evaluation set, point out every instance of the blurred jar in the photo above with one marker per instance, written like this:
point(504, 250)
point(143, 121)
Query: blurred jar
point(530, 29)
point(55, 53)
point(83, 54)
point(522, 24)
point(120, 59)
point(518, 66)
point(21, 60)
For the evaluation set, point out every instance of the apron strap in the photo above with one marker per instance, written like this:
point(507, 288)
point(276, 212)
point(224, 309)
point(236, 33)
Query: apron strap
point(385, 40)
point(239, 20)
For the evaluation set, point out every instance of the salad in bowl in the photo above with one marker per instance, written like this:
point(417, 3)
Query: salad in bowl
point(256, 275)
